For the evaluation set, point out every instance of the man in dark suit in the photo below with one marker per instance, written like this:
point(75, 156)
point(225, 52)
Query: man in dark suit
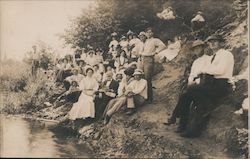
point(108, 90)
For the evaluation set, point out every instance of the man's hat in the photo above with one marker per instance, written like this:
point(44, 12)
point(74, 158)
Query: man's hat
point(130, 32)
point(114, 34)
point(200, 12)
point(142, 33)
point(215, 37)
point(123, 37)
point(197, 43)
point(138, 72)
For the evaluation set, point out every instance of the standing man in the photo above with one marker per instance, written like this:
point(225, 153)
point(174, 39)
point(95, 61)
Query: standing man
point(150, 47)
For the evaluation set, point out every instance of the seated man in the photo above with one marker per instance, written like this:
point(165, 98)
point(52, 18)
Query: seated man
point(136, 92)
point(117, 103)
point(107, 91)
point(198, 101)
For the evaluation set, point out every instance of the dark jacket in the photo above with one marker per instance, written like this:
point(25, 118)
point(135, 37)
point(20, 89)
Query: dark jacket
point(113, 85)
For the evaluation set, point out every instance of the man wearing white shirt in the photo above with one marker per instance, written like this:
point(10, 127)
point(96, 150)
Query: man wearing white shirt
point(150, 47)
point(133, 46)
point(199, 100)
point(136, 92)
point(202, 60)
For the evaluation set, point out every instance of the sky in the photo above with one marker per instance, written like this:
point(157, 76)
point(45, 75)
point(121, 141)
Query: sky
point(24, 22)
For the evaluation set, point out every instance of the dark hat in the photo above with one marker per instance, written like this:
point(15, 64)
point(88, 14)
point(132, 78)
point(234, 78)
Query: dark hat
point(215, 37)
point(129, 71)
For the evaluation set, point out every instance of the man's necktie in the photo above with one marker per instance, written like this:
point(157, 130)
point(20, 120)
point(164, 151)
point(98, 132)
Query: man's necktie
point(213, 58)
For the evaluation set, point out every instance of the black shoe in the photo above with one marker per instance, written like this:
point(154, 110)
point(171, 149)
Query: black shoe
point(170, 121)
point(106, 120)
point(187, 135)
point(130, 112)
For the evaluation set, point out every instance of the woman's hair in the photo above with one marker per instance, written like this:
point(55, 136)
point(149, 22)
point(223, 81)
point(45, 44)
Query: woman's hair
point(89, 69)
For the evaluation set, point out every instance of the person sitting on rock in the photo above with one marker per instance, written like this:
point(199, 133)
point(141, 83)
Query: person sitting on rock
point(200, 99)
point(85, 107)
point(117, 103)
point(198, 21)
point(136, 92)
point(200, 62)
point(107, 91)
point(70, 95)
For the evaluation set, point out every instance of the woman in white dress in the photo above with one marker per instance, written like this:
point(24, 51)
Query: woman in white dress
point(85, 106)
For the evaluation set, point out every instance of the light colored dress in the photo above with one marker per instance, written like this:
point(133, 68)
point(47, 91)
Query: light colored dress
point(85, 106)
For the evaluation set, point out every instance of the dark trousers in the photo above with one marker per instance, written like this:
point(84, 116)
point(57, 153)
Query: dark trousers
point(195, 105)
point(148, 63)
point(100, 104)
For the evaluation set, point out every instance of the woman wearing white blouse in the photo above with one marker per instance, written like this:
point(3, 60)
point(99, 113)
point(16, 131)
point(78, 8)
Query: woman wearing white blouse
point(85, 107)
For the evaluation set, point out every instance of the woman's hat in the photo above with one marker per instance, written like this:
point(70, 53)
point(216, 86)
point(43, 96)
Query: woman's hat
point(138, 72)
point(123, 37)
point(130, 32)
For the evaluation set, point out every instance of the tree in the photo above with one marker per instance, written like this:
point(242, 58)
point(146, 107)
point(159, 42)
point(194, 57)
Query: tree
point(45, 52)
point(95, 25)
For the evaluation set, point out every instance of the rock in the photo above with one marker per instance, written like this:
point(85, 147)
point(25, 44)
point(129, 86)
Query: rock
point(97, 136)
point(86, 131)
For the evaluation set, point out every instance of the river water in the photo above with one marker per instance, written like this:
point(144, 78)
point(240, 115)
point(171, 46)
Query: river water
point(22, 137)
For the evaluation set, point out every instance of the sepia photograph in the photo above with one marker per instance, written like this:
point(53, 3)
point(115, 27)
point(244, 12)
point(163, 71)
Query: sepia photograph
point(124, 79)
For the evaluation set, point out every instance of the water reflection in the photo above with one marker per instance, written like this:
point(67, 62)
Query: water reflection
point(25, 138)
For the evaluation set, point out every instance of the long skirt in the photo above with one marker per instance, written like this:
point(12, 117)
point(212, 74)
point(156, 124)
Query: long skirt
point(82, 109)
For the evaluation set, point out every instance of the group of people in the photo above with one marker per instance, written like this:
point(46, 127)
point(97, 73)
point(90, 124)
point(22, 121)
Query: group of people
point(100, 84)
point(209, 80)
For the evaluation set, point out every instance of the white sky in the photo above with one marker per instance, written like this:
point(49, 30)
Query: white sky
point(23, 22)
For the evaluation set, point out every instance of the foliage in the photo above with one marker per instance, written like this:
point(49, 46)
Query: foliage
point(95, 25)
point(46, 55)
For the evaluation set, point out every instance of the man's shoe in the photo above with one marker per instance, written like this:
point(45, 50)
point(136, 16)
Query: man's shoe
point(106, 120)
point(130, 112)
point(187, 135)
point(170, 121)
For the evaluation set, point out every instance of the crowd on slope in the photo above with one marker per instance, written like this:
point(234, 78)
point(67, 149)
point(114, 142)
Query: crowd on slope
point(101, 85)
